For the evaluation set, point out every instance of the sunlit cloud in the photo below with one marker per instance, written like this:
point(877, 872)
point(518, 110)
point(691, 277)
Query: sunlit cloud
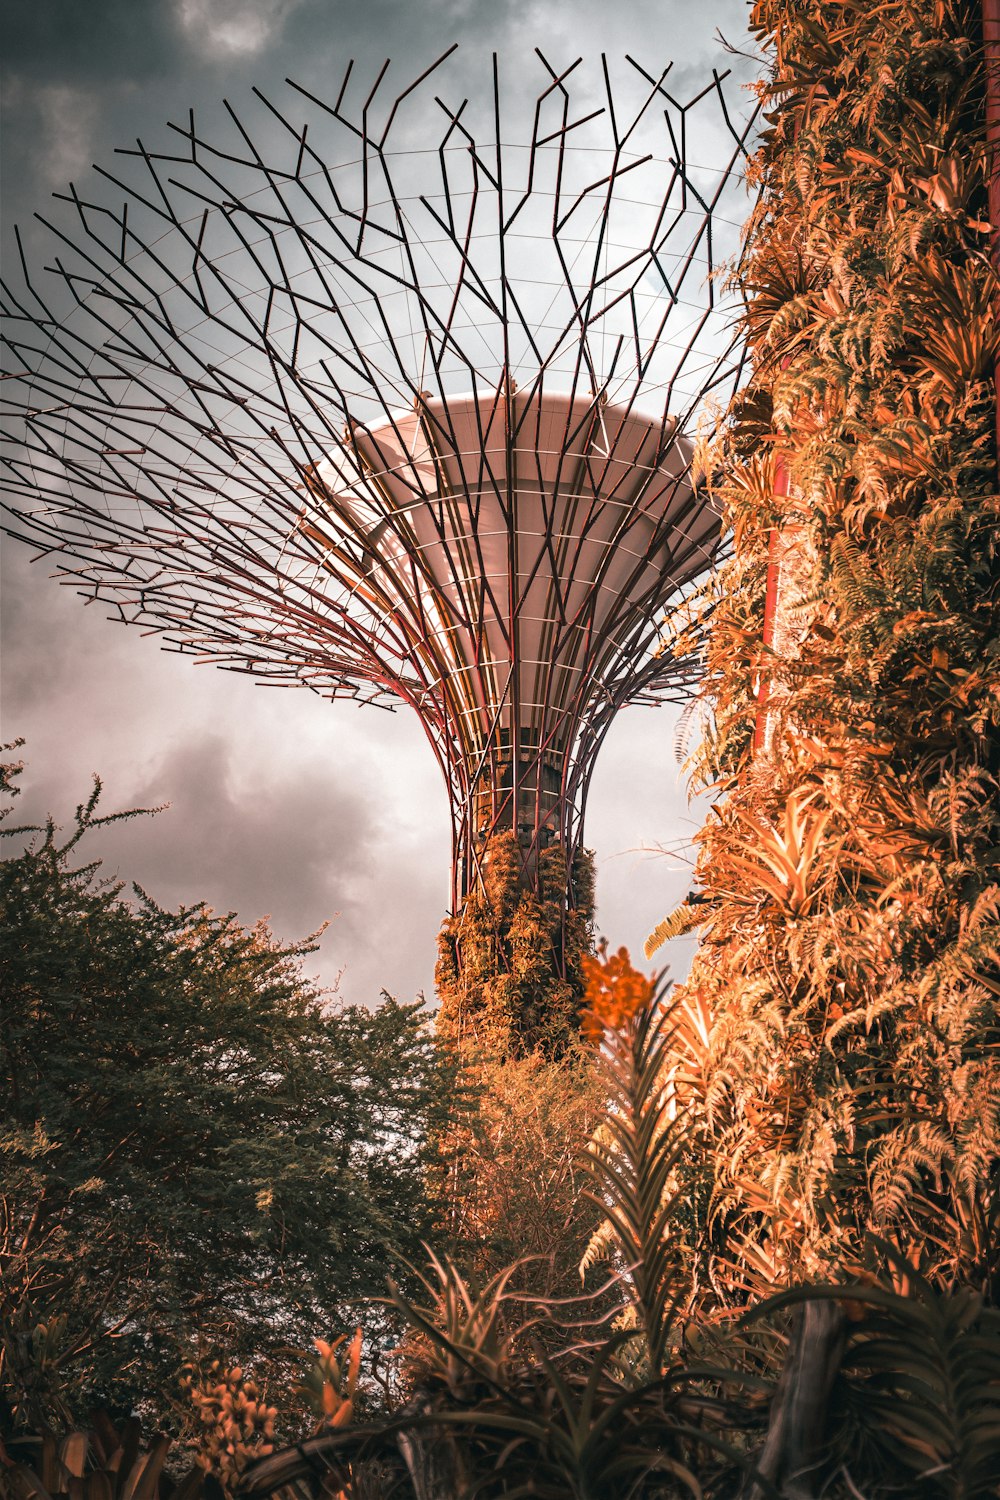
point(231, 28)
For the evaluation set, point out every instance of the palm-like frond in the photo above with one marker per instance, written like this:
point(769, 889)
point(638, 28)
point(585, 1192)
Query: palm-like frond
point(633, 1157)
point(920, 1384)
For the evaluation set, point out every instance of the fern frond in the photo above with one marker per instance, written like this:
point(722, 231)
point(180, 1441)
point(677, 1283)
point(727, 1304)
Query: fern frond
point(684, 918)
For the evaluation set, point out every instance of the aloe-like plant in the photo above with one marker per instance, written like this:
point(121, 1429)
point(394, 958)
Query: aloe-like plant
point(916, 1406)
point(106, 1461)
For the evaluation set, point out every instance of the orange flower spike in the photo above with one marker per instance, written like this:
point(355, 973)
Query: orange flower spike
point(354, 1362)
point(616, 991)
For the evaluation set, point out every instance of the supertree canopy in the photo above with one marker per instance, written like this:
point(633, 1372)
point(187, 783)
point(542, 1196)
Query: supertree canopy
point(394, 397)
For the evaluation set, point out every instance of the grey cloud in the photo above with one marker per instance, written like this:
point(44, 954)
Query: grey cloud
point(280, 803)
point(230, 28)
point(264, 844)
point(82, 80)
point(109, 40)
point(63, 120)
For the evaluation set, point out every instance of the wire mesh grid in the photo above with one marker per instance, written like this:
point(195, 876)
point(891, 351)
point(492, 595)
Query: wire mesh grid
point(392, 397)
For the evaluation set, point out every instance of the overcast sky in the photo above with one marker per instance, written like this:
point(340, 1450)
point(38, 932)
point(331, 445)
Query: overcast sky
point(281, 803)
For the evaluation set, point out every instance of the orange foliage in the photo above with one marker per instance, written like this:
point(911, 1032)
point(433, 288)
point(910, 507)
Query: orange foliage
point(338, 1372)
point(616, 991)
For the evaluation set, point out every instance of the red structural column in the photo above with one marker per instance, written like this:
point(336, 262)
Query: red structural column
point(991, 48)
point(771, 600)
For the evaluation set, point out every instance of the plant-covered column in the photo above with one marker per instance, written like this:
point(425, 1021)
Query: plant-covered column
point(848, 876)
point(510, 962)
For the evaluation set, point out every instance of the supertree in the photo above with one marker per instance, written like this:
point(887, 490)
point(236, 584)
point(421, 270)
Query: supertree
point(405, 419)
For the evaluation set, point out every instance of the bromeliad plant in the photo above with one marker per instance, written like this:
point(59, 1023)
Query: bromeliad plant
point(592, 1396)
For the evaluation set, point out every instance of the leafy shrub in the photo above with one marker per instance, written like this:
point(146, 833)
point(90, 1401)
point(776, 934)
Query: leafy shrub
point(201, 1155)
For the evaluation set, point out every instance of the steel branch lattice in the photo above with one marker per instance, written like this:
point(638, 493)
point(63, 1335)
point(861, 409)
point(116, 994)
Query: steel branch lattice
point(404, 422)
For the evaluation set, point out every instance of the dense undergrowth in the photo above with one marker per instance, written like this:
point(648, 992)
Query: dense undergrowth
point(494, 1386)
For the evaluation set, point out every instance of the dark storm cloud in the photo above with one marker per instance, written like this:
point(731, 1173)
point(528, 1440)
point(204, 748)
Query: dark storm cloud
point(107, 42)
point(290, 839)
point(79, 80)
point(287, 838)
point(71, 77)
point(267, 847)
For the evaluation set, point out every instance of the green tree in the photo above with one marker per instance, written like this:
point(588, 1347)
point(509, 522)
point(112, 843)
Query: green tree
point(198, 1152)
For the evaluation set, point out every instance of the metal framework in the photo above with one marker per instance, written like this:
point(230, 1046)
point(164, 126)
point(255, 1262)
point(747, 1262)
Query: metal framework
point(336, 405)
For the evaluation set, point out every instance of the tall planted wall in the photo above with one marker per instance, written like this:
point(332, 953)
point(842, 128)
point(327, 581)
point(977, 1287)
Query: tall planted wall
point(848, 881)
